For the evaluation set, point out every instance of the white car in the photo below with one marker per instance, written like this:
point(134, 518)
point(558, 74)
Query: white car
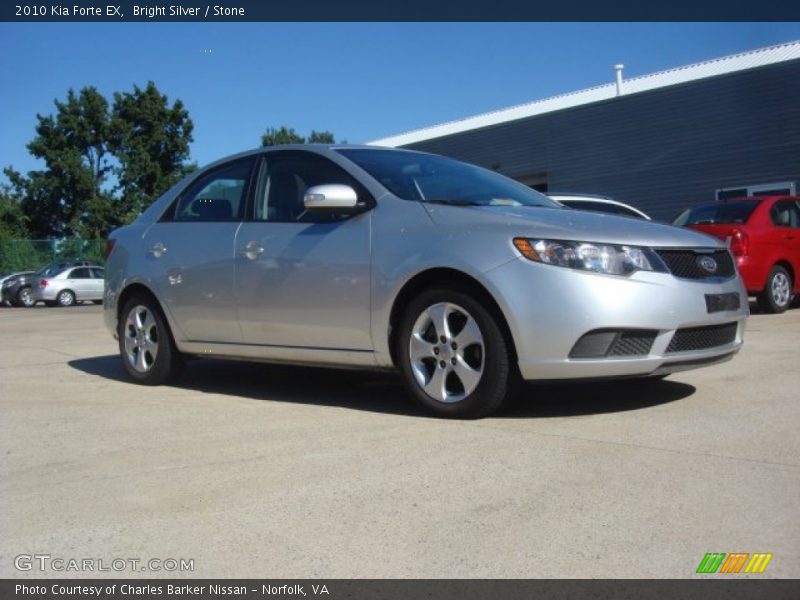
point(70, 286)
point(598, 204)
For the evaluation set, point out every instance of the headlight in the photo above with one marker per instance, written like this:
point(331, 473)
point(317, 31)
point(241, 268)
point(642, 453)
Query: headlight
point(587, 256)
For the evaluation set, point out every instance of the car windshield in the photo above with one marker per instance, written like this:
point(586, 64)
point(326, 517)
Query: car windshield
point(440, 180)
point(718, 213)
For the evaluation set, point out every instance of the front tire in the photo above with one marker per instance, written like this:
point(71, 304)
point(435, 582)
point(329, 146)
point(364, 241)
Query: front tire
point(777, 294)
point(146, 344)
point(453, 356)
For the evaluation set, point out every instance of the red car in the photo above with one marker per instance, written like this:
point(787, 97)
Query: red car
point(764, 237)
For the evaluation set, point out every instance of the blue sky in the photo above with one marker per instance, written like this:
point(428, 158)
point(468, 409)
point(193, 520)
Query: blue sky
point(362, 81)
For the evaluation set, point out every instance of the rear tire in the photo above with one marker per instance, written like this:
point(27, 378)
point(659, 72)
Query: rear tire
point(146, 345)
point(66, 298)
point(453, 356)
point(777, 294)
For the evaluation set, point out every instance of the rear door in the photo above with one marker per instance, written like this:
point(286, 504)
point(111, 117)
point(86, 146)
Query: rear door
point(785, 215)
point(190, 252)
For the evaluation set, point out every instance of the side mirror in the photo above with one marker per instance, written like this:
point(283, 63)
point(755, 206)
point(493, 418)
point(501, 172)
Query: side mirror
point(329, 196)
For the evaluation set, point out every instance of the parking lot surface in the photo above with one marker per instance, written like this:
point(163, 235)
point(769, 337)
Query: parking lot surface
point(260, 471)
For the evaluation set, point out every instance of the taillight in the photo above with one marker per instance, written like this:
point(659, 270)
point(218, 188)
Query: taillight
point(43, 283)
point(740, 243)
point(109, 247)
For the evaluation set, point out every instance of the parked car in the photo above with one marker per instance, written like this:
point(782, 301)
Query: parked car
point(462, 279)
point(598, 204)
point(70, 286)
point(764, 237)
point(19, 289)
point(16, 289)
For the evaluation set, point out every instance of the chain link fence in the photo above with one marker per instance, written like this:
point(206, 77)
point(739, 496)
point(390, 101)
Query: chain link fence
point(30, 255)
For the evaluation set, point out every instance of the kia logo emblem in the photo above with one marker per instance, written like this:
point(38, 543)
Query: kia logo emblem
point(708, 264)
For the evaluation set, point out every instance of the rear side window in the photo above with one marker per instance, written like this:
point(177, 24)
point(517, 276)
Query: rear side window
point(81, 274)
point(217, 196)
point(729, 213)
point(785, 213)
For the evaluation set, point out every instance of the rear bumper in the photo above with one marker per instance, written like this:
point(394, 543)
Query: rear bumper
point(48, 293)
point(752, 273)
point(549, 309)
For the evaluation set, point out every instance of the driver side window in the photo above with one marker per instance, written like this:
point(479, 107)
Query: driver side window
point(283, 184)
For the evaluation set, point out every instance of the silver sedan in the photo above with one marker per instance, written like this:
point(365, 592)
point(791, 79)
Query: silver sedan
point(465, 281)
point(70, 286)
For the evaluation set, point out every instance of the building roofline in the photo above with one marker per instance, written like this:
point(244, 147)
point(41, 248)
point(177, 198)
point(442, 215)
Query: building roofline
point(661, 79)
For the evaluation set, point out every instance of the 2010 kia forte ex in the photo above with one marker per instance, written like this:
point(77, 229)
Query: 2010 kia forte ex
point(465, 281)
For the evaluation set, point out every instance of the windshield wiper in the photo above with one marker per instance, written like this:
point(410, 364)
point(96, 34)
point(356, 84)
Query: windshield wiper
point(455, 202)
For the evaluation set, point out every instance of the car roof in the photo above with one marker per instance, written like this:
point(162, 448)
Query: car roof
point(754, 199)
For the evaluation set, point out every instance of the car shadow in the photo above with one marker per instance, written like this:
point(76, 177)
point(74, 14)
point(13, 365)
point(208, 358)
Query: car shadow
point(383, 392)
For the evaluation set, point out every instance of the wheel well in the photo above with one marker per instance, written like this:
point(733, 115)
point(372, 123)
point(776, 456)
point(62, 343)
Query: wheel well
point(445, 278)
point(787, 265)
point(134, 288)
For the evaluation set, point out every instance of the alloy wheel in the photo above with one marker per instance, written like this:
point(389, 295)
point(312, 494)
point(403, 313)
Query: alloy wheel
point(66, 298)
point(26, 297)
point(781, 289)
point(446, 351)
point(141, 338)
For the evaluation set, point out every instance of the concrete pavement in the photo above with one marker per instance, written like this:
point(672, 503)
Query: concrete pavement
point(259, 471)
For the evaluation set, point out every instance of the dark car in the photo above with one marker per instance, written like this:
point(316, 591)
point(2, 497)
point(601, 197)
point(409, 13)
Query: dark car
point(764, 237)
point(17, 289)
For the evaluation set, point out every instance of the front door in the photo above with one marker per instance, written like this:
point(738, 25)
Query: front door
point(303, 277)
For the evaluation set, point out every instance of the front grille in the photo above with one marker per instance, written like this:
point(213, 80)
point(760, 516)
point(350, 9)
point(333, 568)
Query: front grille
point(633, 343)
point(686, 263)
point(701, 338)
point(614, 342)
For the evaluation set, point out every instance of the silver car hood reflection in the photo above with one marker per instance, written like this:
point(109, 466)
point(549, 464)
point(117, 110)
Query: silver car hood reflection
point(568, 224)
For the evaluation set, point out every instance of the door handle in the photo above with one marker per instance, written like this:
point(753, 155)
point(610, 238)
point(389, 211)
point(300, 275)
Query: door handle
point(158, 250)
point(252, 250)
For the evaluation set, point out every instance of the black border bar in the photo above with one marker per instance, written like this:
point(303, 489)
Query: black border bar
point(703, 587)
point(399, 10)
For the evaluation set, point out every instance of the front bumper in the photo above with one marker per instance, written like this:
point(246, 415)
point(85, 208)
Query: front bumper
point(549, 309)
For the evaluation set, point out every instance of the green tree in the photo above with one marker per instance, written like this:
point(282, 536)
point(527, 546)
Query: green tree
point(282, 135)
point(102, 165)
point(68, 196)
point(13, 222)
point(287, 135)
point(150, 138)
point(321, 137)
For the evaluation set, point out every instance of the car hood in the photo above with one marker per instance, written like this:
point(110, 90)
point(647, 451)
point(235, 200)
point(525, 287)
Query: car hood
point(567, 224)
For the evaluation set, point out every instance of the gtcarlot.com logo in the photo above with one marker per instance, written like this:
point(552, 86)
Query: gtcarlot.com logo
point(47, 562)
point(735, 562)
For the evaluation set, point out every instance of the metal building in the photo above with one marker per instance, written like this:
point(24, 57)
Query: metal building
point(660, 142)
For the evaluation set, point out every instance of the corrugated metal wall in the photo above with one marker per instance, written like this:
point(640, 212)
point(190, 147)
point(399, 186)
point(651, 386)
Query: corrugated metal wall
point(660, 151)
